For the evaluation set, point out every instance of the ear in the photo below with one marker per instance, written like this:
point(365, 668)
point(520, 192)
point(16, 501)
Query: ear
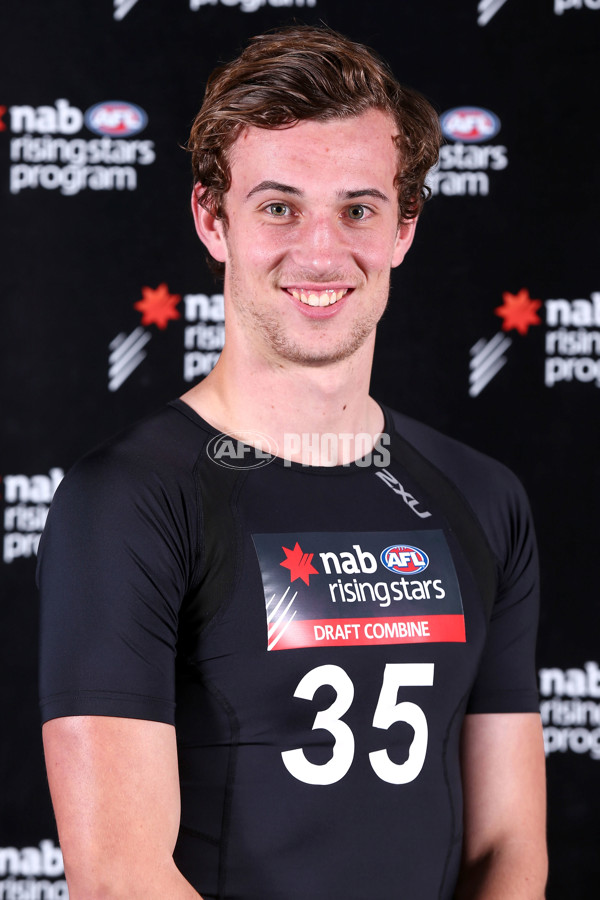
point(208, 228)
point(404, 239)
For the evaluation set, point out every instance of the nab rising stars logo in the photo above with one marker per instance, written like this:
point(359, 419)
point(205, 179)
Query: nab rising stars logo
point(571, 339)
point(203, 334)
point(341, 589)
point(518, 312)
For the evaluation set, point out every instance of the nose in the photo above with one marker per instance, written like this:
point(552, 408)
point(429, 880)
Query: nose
point(319, 245)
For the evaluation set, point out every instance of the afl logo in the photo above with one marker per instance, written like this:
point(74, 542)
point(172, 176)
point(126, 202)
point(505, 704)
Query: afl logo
point(116, 118)
point(242, 450)
point(405, 559)
point(469, 124)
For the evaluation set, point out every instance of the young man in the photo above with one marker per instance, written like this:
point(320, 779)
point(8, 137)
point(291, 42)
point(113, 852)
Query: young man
point(327, 648)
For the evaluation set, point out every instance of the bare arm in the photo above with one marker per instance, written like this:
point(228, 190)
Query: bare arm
point(115, 790)
point(504, 849)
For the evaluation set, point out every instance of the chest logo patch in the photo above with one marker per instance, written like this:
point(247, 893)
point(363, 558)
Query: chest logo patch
point(358, 589)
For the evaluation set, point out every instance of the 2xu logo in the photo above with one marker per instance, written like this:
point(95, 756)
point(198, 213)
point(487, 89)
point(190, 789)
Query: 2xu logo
point(387, 712)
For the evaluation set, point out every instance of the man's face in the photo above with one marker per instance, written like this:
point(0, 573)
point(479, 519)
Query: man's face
point(312, 233)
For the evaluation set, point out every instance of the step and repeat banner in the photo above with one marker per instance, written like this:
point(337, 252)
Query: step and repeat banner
point(492, 333)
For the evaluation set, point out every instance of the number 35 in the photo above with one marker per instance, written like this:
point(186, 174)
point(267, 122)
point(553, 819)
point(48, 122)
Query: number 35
point(387, 711)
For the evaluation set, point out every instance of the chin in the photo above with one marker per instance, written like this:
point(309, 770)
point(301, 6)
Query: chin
point(316, 356)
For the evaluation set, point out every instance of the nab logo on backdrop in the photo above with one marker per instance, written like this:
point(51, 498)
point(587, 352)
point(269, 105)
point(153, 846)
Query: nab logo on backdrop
point(47, 150)
point(570, 708)
point(572, 341)
point(33, 873)
point(203, 334)
point(464, 165)
point(571, 353)
point(27, 500)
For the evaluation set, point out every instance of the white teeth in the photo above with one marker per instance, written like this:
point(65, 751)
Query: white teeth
point(323, 298)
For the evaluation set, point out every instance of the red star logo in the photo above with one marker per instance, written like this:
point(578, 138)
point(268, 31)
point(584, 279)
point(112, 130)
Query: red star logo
point(299, 563)
point(158, 306)
point(2, 124)
point(519, 311)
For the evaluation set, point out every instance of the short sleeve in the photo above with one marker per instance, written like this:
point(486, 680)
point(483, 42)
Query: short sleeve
point(114, 565)
point(506, 680)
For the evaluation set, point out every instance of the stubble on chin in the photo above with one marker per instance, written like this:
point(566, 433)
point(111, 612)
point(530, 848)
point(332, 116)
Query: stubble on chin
point(317, 353)
point(266, 327)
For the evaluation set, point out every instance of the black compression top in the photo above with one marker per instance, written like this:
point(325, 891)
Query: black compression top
point(316, 635)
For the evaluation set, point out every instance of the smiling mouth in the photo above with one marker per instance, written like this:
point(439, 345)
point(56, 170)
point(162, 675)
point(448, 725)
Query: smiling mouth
point(320, 298)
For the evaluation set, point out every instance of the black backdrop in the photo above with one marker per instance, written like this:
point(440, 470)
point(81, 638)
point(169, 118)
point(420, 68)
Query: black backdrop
point(96, 101)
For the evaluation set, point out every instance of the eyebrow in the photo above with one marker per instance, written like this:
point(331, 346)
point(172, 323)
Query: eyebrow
point(365, 192)
point(274, 186)
point(296, 192)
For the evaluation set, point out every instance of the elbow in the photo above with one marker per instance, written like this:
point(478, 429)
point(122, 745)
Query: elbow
point(124, 879)
point(95, 875)
point(95, 885)
point(518, 872)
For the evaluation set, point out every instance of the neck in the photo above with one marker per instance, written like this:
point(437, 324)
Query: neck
point(288, 400)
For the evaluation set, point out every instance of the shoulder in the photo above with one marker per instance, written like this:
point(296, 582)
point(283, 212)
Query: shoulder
point(472, 471)
point(140, 483)
point(491, 489)
point(120, 550)
point(160, 450)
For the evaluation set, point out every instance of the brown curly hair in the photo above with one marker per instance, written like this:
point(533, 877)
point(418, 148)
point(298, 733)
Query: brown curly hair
point(305, 72)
